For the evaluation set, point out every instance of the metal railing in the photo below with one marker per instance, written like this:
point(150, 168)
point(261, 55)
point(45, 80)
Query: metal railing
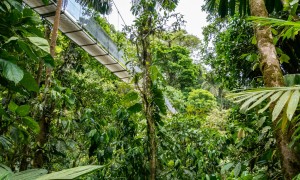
point(85, 20)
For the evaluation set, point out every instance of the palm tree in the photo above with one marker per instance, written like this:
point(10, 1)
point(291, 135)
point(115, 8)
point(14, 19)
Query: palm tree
point(269, 63)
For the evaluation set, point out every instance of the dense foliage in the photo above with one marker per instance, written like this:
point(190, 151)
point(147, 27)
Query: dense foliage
point(87, 116)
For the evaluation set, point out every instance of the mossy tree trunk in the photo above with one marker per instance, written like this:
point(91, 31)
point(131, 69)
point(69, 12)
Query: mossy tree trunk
point(148, 98)
point(272, 76)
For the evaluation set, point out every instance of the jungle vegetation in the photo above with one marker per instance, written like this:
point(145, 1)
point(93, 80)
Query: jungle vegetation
point(235, 94)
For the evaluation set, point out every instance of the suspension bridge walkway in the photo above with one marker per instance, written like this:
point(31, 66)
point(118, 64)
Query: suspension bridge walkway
point(82, 29)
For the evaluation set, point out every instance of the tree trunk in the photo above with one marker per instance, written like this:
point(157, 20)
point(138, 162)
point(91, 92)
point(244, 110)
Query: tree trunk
point(273, 77)
point(148, 98)
point(147, 84)
point(39, 156)
point(53, 39)
point(45, 120)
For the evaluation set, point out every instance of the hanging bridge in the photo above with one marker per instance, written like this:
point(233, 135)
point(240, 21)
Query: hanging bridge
point(82, 29)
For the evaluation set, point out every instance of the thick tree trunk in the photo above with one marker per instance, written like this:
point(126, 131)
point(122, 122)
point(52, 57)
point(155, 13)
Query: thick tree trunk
point(45, 120)
point(273, 77)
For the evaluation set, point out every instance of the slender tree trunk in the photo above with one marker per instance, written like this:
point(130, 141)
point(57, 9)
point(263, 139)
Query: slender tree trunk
point(53, 39)
point(147, 84)
point(273, 77)
point(148, 97)
point(45, 120)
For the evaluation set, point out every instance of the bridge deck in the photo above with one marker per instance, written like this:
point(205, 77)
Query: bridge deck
point(86, 33)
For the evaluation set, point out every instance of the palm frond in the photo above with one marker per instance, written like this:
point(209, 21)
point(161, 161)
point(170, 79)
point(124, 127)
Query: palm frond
point(274, 22)
point(286, 100)
point(290, 28)
point(223, 8)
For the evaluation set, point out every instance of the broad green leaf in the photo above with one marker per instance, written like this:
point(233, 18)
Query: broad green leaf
point(292, 104)
point(135, 108)
point(284, 58)
point(246, 104)
point(48, 60)
point(11, 71)
point(280, 104)
point(25, 46)
point(131, 96)
point(260, 100)
point(274, 97)
point(71, 173)
point(40, 43)
point(29, 174)
point(279, 51)
point(23, 110)
point(12, 106)
point(31, 123)
point(92, 132)
point(237, 169)
point(154, 73)
point(226, 167)
point(29, 82)
point(291, 79)
point(16, 4)
point(159, 100)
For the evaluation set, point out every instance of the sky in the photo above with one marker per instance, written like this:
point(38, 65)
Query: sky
point(190, 9)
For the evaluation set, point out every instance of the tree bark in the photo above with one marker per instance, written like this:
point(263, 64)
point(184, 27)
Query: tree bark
point(147, 86)
point(272, 76)
point(147, 93)
point(45, 120)
point(53, 39)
